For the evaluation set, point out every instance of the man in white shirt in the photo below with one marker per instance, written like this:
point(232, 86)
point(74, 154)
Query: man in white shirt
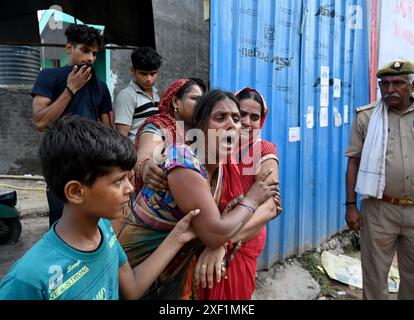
point(139, 100)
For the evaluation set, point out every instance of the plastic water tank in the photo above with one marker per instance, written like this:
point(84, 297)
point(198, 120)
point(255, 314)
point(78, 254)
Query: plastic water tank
point(19, 65)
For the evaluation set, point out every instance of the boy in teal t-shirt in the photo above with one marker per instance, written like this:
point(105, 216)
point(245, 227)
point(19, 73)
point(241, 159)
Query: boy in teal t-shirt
point(88, 166)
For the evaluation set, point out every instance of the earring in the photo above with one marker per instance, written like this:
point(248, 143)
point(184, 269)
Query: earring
point(175, 109)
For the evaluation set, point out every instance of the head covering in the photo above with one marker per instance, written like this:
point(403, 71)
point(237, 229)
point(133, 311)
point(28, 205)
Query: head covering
point(251, 150)
point(265, 109)
point(396, 68)
point(262, 116)
point(165, 120)
point(165, 105)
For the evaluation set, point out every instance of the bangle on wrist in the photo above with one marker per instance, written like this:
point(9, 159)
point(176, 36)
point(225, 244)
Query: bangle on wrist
point(247, 207)
point(70, 91)
point(348, 203)
point(140, 164)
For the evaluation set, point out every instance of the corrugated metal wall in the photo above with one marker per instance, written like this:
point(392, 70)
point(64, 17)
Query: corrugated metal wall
point(279, 47)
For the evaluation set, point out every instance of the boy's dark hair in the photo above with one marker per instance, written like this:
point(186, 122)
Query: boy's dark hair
point(145, 58)
point(79, 149)
point(205, 106)
point(83, 34)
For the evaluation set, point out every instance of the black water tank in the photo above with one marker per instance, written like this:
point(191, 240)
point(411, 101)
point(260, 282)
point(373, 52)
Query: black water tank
point(19, 65)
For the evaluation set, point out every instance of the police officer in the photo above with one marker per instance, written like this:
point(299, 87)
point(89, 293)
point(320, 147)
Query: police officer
point(386, 224)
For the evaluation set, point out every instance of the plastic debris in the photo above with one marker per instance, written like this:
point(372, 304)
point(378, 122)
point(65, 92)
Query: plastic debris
point(348, 270)
point(320, 269)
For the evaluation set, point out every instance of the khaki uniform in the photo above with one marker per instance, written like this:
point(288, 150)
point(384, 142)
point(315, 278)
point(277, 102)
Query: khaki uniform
point(388, 227)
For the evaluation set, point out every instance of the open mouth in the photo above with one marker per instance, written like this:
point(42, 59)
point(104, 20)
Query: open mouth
point(229, 141)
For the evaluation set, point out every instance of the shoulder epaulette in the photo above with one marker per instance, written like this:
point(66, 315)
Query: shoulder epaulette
point(366, 107)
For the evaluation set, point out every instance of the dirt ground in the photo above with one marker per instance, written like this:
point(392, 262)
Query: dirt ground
point(33, 208)
point(32, 230)
point(349, 293)
point(31, 196)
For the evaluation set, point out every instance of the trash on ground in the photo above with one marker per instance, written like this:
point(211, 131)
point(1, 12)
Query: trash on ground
point(348, 270)
point(320, 269)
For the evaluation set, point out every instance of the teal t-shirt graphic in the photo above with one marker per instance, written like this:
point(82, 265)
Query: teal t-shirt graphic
point(53, 270)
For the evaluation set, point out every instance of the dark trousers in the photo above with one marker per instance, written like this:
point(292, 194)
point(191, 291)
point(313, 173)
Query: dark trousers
point(55, 207)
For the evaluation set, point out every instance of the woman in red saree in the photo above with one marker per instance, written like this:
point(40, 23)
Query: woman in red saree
point(256, 156)
point(191, 183)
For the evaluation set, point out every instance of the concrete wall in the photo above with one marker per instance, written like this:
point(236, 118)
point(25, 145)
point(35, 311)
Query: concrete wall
point(120, 70)
point(182, 39)
point(19, 140)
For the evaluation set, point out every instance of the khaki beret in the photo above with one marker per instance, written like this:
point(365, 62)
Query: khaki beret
point(396, 68)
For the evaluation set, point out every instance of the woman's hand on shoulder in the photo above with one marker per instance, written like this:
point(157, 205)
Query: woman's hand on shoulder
point(272, 177)
point(262, 189)
point(278, 202)
point(153, 176)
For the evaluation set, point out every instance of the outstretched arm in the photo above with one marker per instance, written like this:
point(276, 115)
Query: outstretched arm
point(211, 227)
point(134, 282)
